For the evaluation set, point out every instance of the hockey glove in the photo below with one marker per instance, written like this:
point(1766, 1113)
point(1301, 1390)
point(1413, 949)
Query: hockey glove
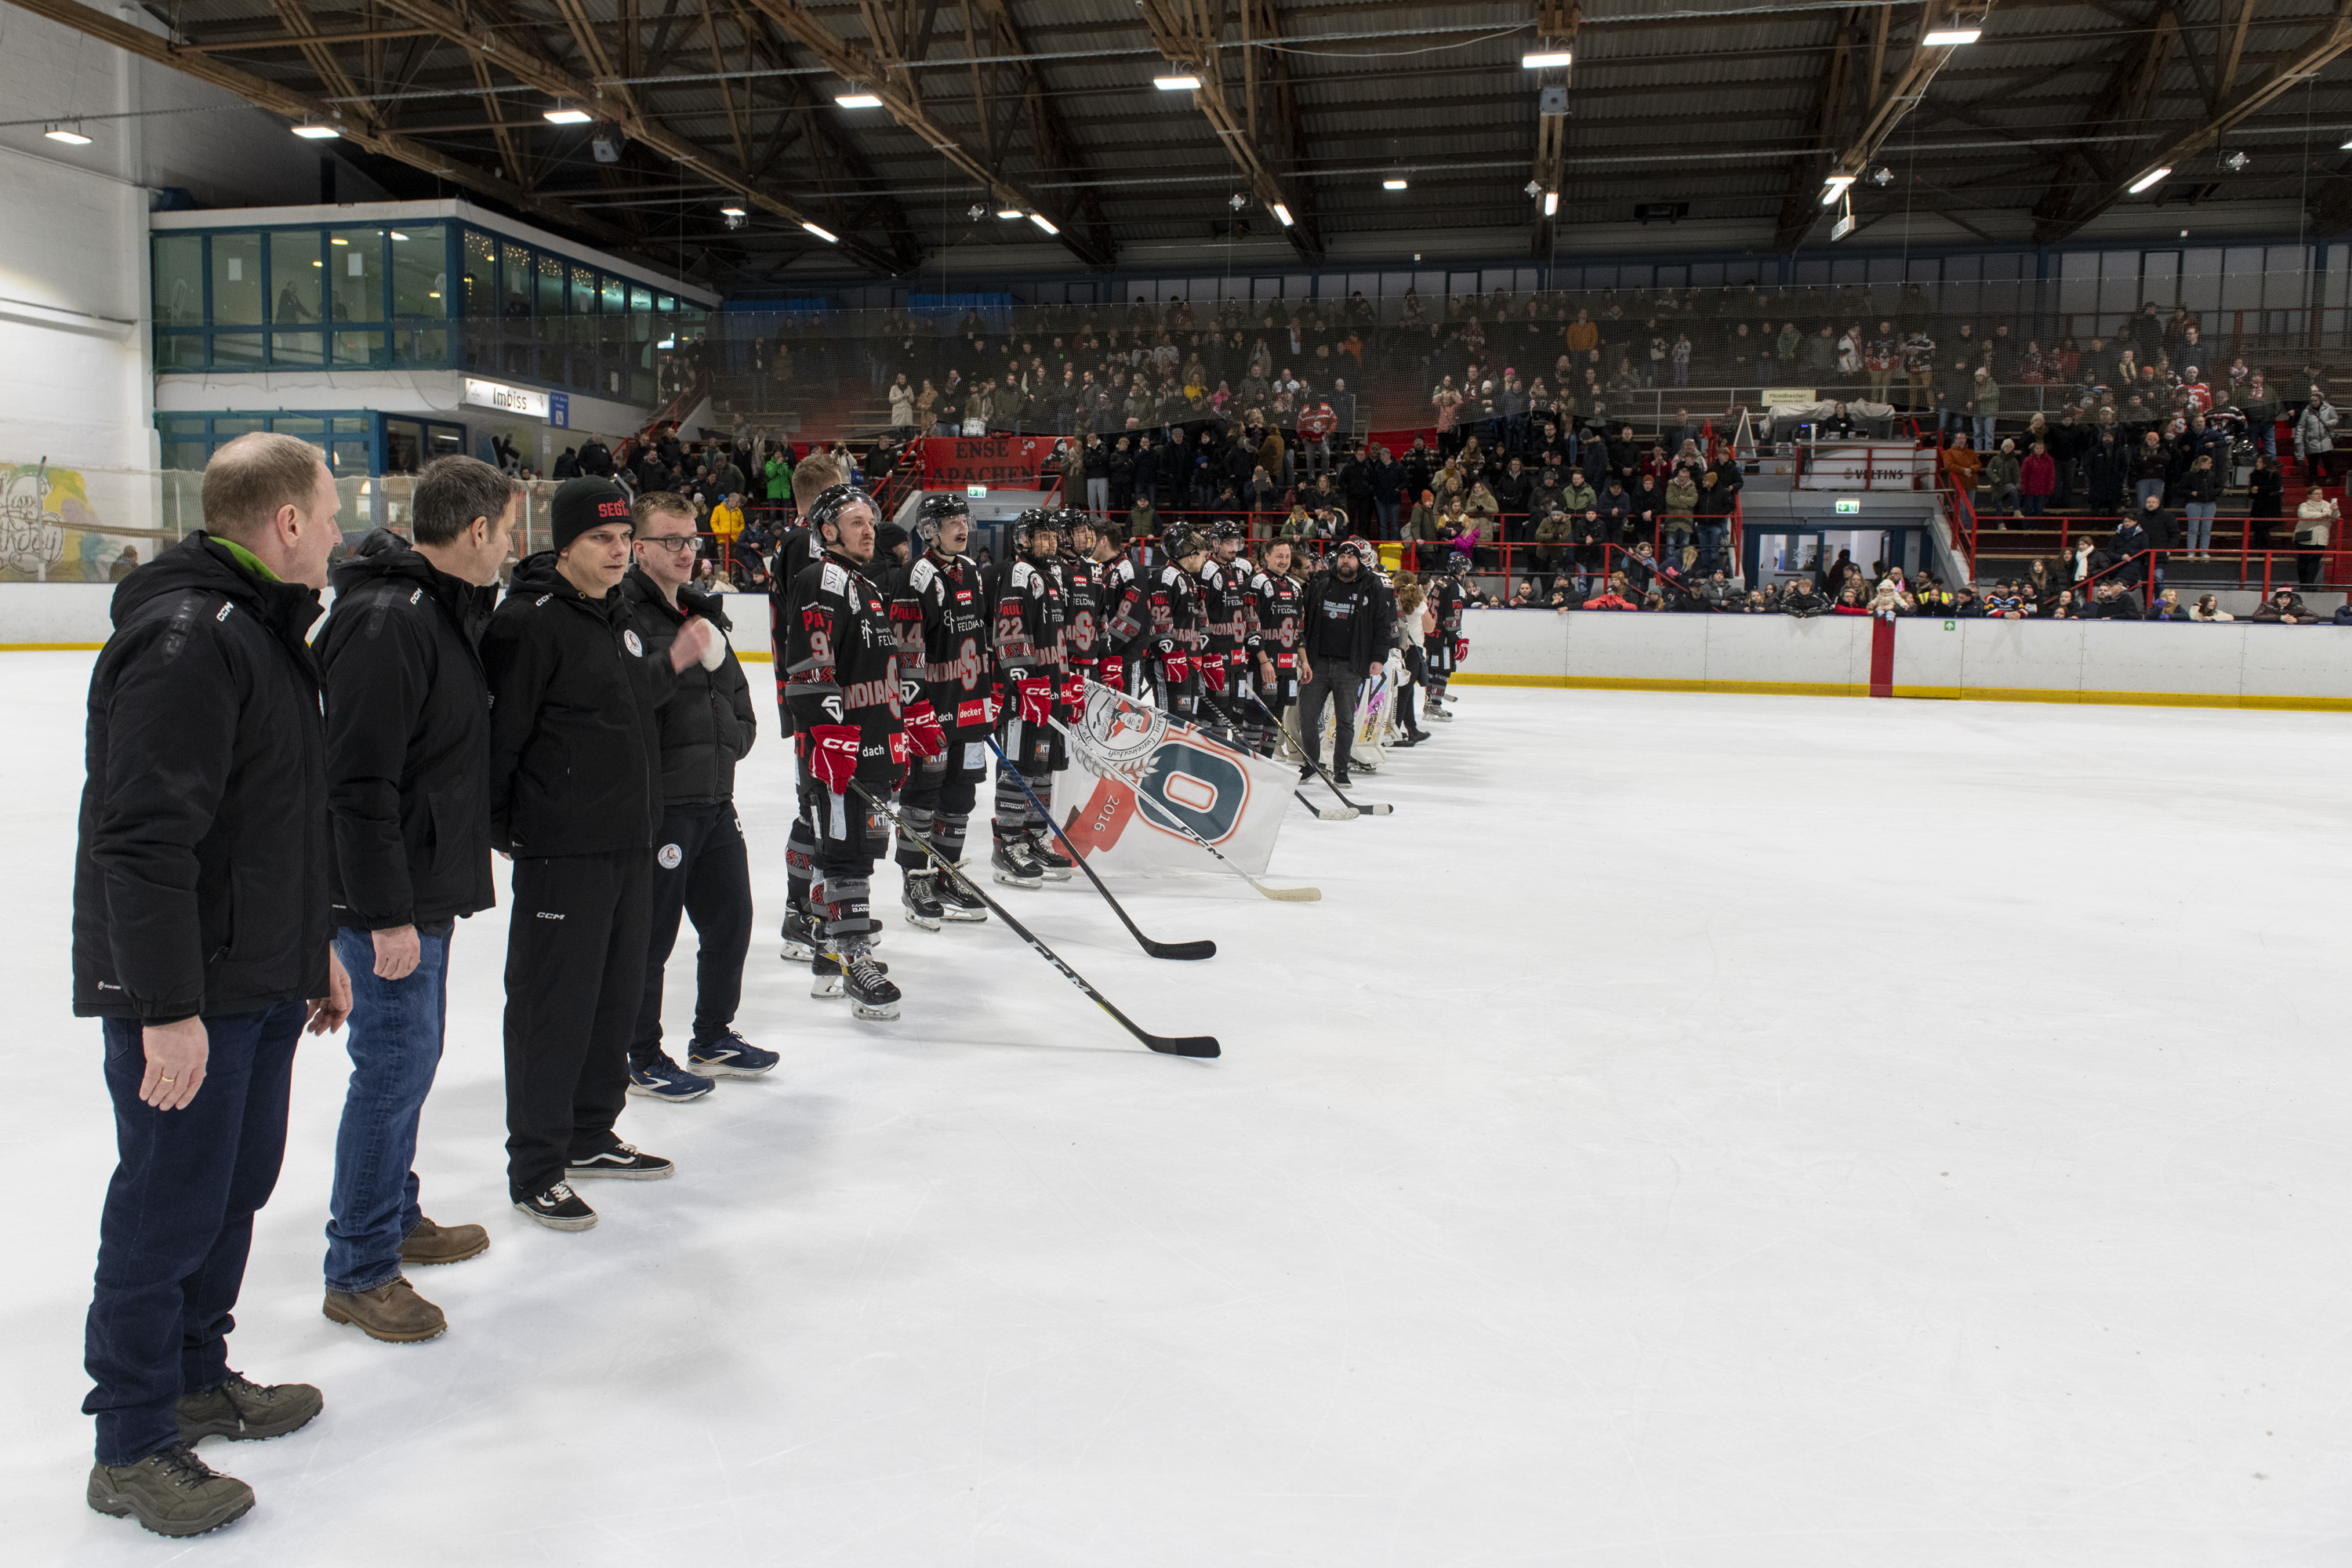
point(1074, 692)
point(1112, 672)
point(832, 752)
point(1176, 666)
point(1036, 701)
point(923, 730)
point(901, 752)
point(1212, 674)
point(1460, 650)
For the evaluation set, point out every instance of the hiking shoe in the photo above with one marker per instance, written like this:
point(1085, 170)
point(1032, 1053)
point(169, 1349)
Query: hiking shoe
point(957, 902)
point(245, 1411)
point(729, 1056)
point(557, 1208)
point(1052, 863)
point(393, 1312)
point(170, 1492)
point(921, 902)
point(430, 1244)
point(624, 1161)
point(664, 1079)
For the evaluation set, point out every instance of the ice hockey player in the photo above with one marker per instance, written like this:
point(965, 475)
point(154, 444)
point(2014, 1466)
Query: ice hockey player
point(941, 615)
point(1082, 588)
point(855, 725)
point(1032, 670)
point(796, 551)
point(1224, 612)
point(1448, 597)
point(1273, 640)
point(1161, 612)
point(1117, 651)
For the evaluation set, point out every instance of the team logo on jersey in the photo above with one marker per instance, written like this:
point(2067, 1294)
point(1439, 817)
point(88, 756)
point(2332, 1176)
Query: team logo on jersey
point(670, 855)
point(629, 640)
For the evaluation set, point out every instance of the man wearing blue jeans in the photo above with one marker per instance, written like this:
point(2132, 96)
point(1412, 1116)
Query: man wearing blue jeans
point(408, 754)
point(199, 932)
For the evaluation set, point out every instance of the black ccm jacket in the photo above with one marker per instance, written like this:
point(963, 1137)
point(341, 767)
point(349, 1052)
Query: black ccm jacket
point(576, 730)
point(200, 883)
point(707, 725)
point(408, 740)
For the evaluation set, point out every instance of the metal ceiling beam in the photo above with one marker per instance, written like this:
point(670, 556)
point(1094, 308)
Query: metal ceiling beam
point(855, 65)
point(1889, 101)
point(1801, 206)
point(1049, 132)
point(535, 71)
point(2090, 177)
point(1557, 22)
point(1187, 32)
point(278, 99)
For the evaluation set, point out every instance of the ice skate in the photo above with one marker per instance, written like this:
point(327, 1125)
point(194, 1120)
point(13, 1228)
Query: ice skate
point(1012, 864)
point(800, 938)
point(921, 900)
point(824, 974)
point(871, 995)
point(957, 902)
point(1051, 864)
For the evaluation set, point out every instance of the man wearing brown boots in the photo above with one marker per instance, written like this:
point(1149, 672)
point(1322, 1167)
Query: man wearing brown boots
point(408, 752)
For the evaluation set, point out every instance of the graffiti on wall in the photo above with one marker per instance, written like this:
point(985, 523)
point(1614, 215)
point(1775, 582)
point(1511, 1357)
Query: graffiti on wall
point(50, 530)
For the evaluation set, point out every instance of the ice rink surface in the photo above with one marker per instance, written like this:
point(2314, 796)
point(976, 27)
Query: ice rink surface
point(1692, 1130)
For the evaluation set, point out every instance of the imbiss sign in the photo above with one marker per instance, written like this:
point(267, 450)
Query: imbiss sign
point(1000, 462)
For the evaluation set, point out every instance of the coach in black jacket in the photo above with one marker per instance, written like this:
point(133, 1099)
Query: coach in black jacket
point(1347, 622)
point(200, 938)
point(575, 797)
point(701, 868)
point(408, 759)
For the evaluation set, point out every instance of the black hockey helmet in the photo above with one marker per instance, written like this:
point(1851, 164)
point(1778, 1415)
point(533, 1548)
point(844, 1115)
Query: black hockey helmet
point(1070, 519)
point(1228, 528)
point(1182, 539)
point(835, 499)
point(933, 510)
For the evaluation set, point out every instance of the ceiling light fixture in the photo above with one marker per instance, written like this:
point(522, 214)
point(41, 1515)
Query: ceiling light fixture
point(565, 114)
point(1176, 83)
point(1282, 213)
point(1548, 59)
point(857, 100)
point(1009, 213)
point(397, 235)
point(829, 239)
point(1394, 183)
point(69, 134)
point(1950, 38)
point(1042, 221)
point(1551, 203)
point(2145, 181)
point(731, 209)
point(311, 131)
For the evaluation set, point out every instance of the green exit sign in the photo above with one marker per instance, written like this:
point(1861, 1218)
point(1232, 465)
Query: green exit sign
point(977, 490)
point(1849, 506)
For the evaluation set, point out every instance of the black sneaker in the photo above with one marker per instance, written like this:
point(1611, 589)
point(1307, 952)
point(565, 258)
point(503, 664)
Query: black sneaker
point(920, 901)
point(1340, 779)
point(1012, 864)
point(957, 902)
point(557, 1208)
point(1052, 863)
point(1306, 772)
point(871, 995)
point(622, 1161)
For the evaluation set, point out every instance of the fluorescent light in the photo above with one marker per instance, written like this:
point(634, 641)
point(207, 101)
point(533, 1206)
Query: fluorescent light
point(339, 242)
point(1040, 220)
point(433, 293)
point(857, 100)
point(1008, 213)
point(1550, 60)
point(1946, 37)
point(397, 235)
point(2145, 181)
point(731, 210)
point(1396, 184)
point(566, 116)
point(1551, 203)
point(67, 134)
point(1176, 83)
point(1283, 213)
point(310, 130)
point(1833, 187)
point(829, 239)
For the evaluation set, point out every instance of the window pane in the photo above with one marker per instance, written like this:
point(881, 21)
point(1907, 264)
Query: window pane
point(355, 265)
point(514, 283)
point(347, 456)
point(309, 426)
point(359, 348)
point(297, 348)
point(481, 275)
point(226, 426)
point(444, 441)
point(583, 291)
point(238, 349)
point(351, 426)
point(402, 444)
point(420, 273)
point(640, 297)
point(237, 280)
point(616, 294)
point(179, 280)
point(295, 277)
point(185, 454)
point(550, 284)
point(179, 351)
point(180, 424)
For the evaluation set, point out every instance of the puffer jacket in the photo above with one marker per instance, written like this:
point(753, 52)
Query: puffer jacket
point(708, 724)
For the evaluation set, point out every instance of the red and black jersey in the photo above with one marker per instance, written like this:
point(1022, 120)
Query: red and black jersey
point(1083, 582)
point(1029, 619)
point(1177, 610)
point(940, 613)
point(1224, 607)
point(1126, 609)
point(842, 662)
point(799, 550)
point(1447, 600)
point(1273, 614)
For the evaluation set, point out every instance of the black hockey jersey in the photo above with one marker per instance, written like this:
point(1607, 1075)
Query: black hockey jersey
point(799, 550)
point(1224, 607)
point(1083, 583)
point(842, 664)
point(1028, 613)
point(944, 636)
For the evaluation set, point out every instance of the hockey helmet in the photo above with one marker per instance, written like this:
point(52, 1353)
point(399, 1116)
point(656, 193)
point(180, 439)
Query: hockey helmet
point(833, 500)
point(1182, 539)
point(933, 510)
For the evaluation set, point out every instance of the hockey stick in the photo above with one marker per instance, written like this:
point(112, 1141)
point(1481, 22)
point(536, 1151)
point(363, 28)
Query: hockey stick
point(1202, 949)
point(1322, 813)
point(1174, 1046)
point(1280, 895)
point(1376, 810)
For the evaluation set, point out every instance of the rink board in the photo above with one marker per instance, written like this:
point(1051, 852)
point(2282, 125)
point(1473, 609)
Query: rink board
point(2239, 665)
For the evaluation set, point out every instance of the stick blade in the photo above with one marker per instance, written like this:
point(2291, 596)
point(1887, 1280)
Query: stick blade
point(1381, 810)
point(1184, 1045)
point(1204, 948)
point(1290, 895)
point(1337, 814)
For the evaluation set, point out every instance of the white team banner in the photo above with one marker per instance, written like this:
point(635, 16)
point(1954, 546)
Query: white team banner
point(1151, 770)
point(1881, 466)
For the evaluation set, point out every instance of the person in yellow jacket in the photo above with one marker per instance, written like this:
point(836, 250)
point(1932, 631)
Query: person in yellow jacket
point(727, 527)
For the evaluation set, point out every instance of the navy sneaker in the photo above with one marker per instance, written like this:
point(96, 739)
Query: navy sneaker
point(729, 1056)
point(623, 1161)
point(664, 1079)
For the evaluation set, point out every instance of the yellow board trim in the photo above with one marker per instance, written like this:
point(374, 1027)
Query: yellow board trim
point(1941, 693)
point(51, 646)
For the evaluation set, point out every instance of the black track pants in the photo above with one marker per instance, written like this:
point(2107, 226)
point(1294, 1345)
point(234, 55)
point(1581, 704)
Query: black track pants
point(701, 869)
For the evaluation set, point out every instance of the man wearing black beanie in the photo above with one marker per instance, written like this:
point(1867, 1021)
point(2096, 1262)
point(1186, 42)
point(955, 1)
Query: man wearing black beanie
point(575, 796)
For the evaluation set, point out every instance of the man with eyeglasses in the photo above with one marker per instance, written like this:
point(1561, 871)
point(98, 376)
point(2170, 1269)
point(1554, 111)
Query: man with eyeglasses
point(701, 868)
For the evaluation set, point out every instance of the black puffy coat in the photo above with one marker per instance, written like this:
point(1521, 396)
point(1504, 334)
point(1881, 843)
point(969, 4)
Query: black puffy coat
point(408, 740)
point(575, 727)
point(707, 725)
point(200, 880)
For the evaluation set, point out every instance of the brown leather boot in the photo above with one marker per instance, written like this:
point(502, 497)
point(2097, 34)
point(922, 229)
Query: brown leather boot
point(430, 1243)
point(393, 1312)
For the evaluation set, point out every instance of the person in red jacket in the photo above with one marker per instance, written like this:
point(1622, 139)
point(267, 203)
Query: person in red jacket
point(2037, 480)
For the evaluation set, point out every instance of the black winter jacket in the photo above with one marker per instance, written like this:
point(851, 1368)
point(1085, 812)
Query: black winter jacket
point(575, 728)
point(1372, 622)
point(408, 740)
point(200, 881)
point(707, 725)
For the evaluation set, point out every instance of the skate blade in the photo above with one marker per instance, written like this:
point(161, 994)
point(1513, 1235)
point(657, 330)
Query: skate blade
point(1057, 876)
point(921, 922)
point(874, 1012)
point(825, 986)
point(1010, 880)
point(796, 952)
point(966, 916)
